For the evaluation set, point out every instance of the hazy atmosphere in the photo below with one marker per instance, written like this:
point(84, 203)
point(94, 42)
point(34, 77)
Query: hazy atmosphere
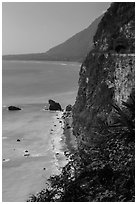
point(36, 27)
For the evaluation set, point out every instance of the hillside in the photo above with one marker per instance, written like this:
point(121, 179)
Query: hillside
point(77, 47)
point(74, 49)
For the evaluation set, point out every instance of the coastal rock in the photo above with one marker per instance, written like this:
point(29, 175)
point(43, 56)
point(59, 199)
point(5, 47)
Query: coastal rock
point(26, 155)
point(13, 108)
point(54, 105)
point(69, 107)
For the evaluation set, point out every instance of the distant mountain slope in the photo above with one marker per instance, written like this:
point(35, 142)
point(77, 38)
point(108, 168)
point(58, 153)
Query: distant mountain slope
point(77, 46)
point(74, 49)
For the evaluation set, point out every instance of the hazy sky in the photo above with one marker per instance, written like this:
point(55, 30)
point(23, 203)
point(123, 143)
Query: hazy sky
point(36, 27)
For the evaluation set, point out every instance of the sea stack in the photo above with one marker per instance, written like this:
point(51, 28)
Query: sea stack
point(54, 105)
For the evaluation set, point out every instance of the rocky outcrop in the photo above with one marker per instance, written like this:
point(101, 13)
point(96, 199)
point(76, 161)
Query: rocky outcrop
point(54, 106)
point(13, 108)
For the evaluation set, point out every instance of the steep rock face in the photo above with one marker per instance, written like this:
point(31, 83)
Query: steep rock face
point(107, 74)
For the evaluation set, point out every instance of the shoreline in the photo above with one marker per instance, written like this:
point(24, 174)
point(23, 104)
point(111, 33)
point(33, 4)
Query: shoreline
point(70, 139)
point(63, 141)
point(57, 141)
point(60, 142)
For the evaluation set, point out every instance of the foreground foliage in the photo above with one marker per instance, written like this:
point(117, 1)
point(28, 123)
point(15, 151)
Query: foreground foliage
point(102, 172)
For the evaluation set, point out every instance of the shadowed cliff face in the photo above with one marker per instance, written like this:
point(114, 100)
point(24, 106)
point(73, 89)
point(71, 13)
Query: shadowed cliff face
point(107, 74)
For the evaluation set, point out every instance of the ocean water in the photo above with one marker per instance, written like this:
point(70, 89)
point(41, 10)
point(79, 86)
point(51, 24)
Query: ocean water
point(36, 82)
point(29, 85)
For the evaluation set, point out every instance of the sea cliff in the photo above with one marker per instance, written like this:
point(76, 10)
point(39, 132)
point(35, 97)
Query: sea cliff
point(103, 167)
point(105, 80)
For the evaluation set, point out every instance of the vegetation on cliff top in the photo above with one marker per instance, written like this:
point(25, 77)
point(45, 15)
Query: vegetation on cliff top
point(118, 29)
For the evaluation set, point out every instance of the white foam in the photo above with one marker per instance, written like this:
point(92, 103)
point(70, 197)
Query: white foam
point(4, 106)
point(36, 155)
point(6, 160)
point(63, 64)
point(44, 110)
point(4, 138)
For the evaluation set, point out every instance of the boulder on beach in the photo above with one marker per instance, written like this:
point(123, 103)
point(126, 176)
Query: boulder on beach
point(69, 107)
point(13, 108)
point(54, 105)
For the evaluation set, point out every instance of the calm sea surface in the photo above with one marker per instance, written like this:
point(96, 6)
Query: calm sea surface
point(29, 85)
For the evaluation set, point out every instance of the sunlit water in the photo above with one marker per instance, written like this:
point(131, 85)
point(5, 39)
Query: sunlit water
point(29, 85)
